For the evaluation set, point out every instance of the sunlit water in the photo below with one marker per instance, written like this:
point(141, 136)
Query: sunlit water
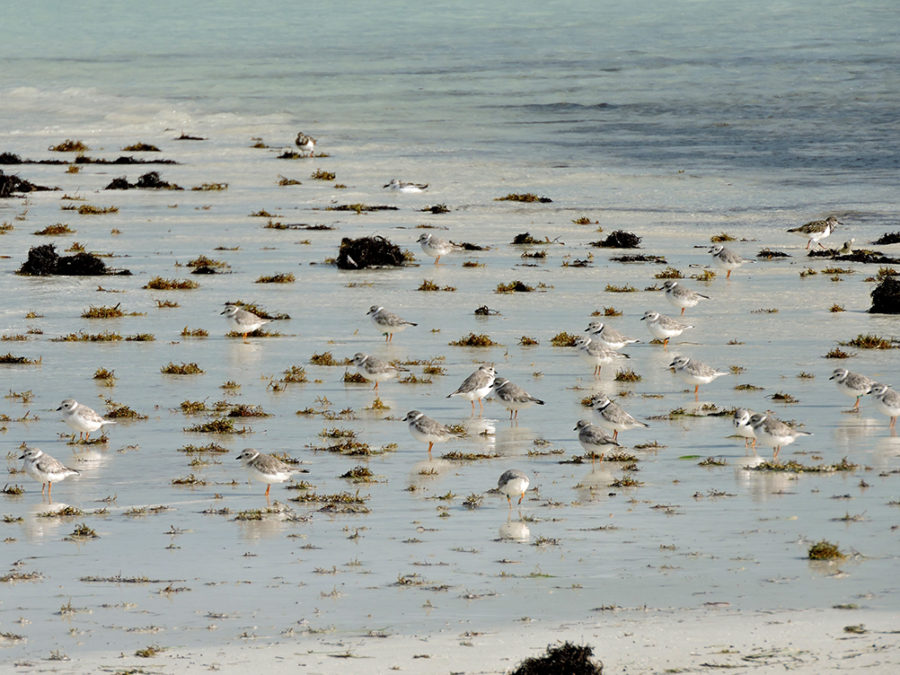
point(617, 115)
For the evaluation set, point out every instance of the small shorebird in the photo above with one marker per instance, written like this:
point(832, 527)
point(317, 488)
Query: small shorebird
point(387, 322)
point(816, 230)
point(663, 327)
point(401, 186)
point(265, 468)
point(477, 385)
point(81, 418)
point(435, 246)
point(853, 385)
point(596, 354)
point(45, 469)
point(513, 482)
point(847, 248)
point(594, 440)
point(608, 336)
point(244, 321)
point(513, 397)
point(682, 297)
point(695, 372)
point(613, 417)
point(887, 401)
point(306, 143)
point(727, 259)
point(741, 422)
point(375, 369)
point(424, 429)
point(773, 432)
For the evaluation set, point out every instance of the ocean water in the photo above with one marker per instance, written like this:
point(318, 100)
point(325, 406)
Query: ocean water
point(674, 121)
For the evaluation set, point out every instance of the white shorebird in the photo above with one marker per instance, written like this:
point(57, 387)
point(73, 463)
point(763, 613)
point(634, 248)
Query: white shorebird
point(727, 259)
point(306, 143)
point(741, 422)
point(613, 417)
point(773, 432)
point(375, 369)
point(81, 418)
point(596, 354)
point(402, 186)
point(387, 322)
point(513, 397)
point(695, 372)
point(45, 469)
point(682, 297)
point(847, 248)
point(424, 429)
point(513, 482)
point(243, 320)
point(477, 385)
point(265, 468)
point(594, 440)
point(887, 401)
point(608, 336)
point(663, 327)
point(435, 246)
point(853, 385)
point(816, 230)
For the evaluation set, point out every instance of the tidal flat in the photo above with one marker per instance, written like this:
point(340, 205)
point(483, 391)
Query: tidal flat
point(184, 554)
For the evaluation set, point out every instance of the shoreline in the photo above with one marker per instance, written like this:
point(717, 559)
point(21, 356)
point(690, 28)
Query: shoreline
point(634, 641)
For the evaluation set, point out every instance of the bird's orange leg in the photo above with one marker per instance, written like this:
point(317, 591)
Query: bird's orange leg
point(728, 274)
point(430, 444)
point(682, 311)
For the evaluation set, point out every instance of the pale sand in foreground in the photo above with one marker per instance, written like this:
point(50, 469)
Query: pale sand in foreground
point(626, 641)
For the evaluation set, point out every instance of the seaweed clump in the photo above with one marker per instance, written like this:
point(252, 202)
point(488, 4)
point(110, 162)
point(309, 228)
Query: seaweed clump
point(825, 550)
point(357, 254)
point(149, 181)
point(12, 183)
point(886, 297)
point(566, 658)
point(618, 239)
point(45, 261)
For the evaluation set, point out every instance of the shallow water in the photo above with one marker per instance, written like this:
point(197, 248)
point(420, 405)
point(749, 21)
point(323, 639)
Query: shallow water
point(687, 536)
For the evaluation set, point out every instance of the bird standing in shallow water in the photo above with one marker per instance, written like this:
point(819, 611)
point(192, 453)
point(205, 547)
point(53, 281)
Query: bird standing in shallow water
point(593, 440)
point(511, 483)
point(774, 433)
point(45, 469)
point(477, 385)
point(424, 429)
point(265, 468)
point(727, 259)
point(513, 397)
point(682, 297)
point(403, 186)
point(82, 419)
point(387, 322)
point(663, 327)
point(306, 143)
point(741, 422)
point(853, 385)
point(613, 417)
point(887, 401)
point(373, 368)
point(244, 320)
point(435, 246)
point(816, 230)
point(695, 372)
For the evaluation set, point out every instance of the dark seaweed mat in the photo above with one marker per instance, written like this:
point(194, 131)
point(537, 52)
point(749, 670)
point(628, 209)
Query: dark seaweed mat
point(149, 181)
point(886, 297)
point(888, 238)
point(356, 254)
point(619, 239)
point(45, 261)
point(11, 183)
point(566, 659)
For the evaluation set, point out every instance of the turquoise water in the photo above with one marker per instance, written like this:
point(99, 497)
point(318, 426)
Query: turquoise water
point(676, 121)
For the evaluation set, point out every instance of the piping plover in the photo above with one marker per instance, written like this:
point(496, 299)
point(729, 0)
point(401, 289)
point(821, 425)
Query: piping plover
point(403, 186)
point(477, 385)
point(773, 432)
point(887, 401)
point(513, 482)
point(244, 320)
point(387, 322)
point(45, 469)
point(613, 417)
point(741, 422)
point(265, 468)
point(663, 327)
point(513, 397)
point(424, 429)
point(594, 440)
point(375, 369)
point(596, 354)
point(695, 372)
point(727, 259)
point(435, 246)
point(81, 418)
point(682, 297)
point(608, 336)
point(853, 385)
